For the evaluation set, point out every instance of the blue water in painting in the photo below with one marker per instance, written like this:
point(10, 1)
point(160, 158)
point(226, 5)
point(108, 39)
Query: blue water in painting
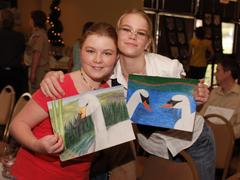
point(160, 117)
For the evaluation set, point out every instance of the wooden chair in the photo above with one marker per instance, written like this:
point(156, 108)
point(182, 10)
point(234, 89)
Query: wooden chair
point(7, 100)
point(24, 98)
point(156, 168)
point(22, 101)
point(119, 173)
point(224, 139)
point(18, 106)
point(234, 177)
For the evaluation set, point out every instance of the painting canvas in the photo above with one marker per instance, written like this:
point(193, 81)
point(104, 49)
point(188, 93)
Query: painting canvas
point(91, 121)
point(162, 102)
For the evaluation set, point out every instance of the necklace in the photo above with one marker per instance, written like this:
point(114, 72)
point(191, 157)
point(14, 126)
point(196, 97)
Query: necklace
point(86, 82)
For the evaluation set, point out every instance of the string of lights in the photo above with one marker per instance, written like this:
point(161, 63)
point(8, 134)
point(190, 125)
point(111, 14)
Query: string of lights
point(56, 27)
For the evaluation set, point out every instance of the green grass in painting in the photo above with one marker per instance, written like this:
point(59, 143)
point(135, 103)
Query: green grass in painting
point(114, 112)
point(76, 129)
point(56, 117)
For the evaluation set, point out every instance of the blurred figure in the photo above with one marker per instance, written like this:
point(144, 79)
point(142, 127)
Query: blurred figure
point(198, 49)
point(74, 61)
point(12, 46)
point(37, 49)
point(227, 94)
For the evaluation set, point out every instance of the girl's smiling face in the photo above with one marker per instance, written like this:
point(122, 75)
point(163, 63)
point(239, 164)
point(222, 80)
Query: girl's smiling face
point(133, 35)
point(98, 56)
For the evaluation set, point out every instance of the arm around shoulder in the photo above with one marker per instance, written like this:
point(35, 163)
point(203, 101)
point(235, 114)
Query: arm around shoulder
point(50, 85)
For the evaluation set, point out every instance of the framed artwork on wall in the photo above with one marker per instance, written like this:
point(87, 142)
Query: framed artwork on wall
point(179, 24)
point(174, 52)
point(216, 20)
point(170, 23)
point(183, 52)
point(207, 19)
point(172, 38)
point(181, 37)
point(208, 32)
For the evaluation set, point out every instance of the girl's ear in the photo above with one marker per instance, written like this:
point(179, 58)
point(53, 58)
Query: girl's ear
point(149, 45)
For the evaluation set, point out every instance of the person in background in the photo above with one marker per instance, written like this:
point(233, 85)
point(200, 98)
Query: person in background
point(134, 39)
point(199, 47)
point(12, 46)
point(74, 61)
point(227, 94)
point(37, 51)
point(38, 158)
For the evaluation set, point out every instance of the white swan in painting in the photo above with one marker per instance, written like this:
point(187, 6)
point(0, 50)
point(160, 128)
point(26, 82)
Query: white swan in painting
point(90, 105)
point(182, 102)
point(139, 96)
point(104, 138)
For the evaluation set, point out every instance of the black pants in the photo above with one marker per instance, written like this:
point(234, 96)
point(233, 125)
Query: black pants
point(108, 159)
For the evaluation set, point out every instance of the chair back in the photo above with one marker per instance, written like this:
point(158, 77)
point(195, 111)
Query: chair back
point(156, 168)
point(234, 176)
point(24, 98)
point(7, 100)
point(224, 140)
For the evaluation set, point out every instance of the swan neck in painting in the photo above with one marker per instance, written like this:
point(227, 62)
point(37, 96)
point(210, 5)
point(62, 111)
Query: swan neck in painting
point(135, 99)
point(95, 111)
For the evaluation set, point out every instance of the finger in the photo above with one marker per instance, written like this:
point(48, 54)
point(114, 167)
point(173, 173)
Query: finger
point(59, 148)
point(44, 88)
point(52, 90)
point(61, 76)
point(56, 87)
point(202, 81)
point(201, 100)
point(59, 145)
point(52, 139)
point(203, 90)
point(49, 94)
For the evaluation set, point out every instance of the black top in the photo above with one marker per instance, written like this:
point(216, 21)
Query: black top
point(12, 46)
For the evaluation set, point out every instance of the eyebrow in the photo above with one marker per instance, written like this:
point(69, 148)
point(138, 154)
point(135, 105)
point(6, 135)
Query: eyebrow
point(133, 28)
point(91, 47)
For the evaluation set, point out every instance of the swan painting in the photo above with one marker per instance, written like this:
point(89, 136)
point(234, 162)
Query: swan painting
point(158, 91)
point(182, 102)
point(91, 121)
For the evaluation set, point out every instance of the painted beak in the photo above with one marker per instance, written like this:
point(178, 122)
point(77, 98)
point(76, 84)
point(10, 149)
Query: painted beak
point(166, 106)
point(169, 104)
point(145, 101)
point(82, 112)
point(146, 105)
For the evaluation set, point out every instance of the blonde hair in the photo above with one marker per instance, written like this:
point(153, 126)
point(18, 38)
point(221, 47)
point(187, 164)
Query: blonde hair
point(149, 23)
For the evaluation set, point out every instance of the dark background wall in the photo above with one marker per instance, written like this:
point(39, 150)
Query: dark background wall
point(188, 11)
